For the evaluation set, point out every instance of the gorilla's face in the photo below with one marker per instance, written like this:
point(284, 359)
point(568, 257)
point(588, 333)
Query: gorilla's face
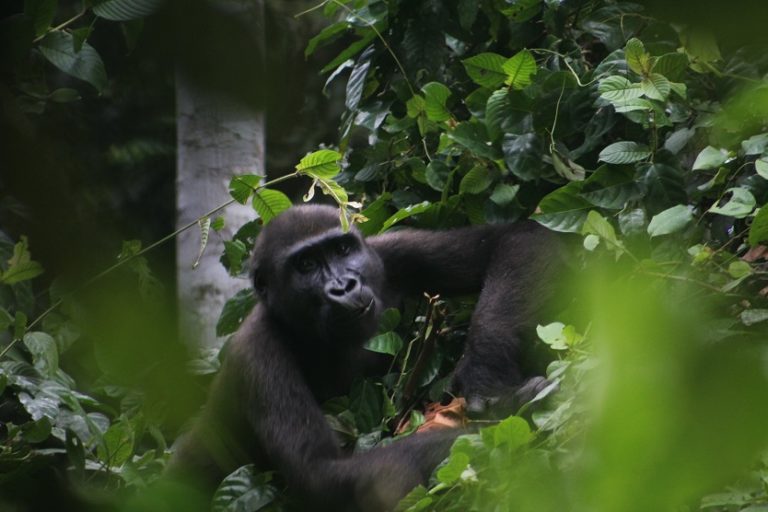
point(326, 285)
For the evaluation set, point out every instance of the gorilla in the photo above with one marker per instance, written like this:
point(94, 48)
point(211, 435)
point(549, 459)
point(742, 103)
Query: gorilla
point(321, 293)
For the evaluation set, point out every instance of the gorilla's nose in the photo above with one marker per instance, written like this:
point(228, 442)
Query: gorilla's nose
point(345, 291)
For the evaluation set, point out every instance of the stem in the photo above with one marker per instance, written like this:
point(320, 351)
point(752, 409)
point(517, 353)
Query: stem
point(61, 27)
point(565, 61)
point(132, 257)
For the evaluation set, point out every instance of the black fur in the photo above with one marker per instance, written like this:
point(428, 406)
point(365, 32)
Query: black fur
point(322, 292)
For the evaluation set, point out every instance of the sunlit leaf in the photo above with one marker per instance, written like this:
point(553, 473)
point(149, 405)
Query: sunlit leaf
point(520, 69)
point(624, 152)
point(486, 69)
point(270, 203)
point(321, 164)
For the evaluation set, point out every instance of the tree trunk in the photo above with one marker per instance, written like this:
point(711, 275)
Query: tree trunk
point(218, 135)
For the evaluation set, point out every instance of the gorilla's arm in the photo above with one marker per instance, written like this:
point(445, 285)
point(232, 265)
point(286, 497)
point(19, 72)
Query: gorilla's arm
point(513, 268)
point(288, 429)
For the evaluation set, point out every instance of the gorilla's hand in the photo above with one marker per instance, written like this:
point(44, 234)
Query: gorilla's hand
point(501, 403)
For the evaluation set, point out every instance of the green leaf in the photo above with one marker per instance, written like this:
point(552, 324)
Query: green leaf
point(753, 316)
point(37, 431)
point(679, 139)
point(670, 220)
point(452, 470)
point(41, 12)
point(758, 231)
point(638, 59)
point(761, 167)
point(596, 224)
point(356, 82)
point(671, 65)
point(125, 10)
point(235, 311)
point(435, 97)
point(739, 268)
point(244, 490)
point(474, 137)
point(477, 180)
point(270, 203)
point(656, 87)
point(624, 152)
point(321, 164)
point(387, 343)
point(59, 49)
point(552, 335)
point(64, 95)
point(616, 88)
point(350, 51)
point(235, 254)
point(116, 445)
point(522, 155)
point(404, 213)
point(504, 194)
point(486, 69)
point(326, 36)
point(20, 266)
point(415, 106)
point(390, 318)
point(741, 204)
point(520, 69)
point(512, 433)
point(611, 187)
point(45, 353)
point(755, 145)
point(437, 174)
point(564, 209)
point(710, 158)
point(701, 46)
point(241, 187)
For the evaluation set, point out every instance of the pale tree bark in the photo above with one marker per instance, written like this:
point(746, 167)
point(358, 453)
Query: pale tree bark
point(218, 136)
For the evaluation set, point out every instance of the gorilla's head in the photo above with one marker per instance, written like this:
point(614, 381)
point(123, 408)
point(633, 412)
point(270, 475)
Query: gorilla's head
point(316, 280)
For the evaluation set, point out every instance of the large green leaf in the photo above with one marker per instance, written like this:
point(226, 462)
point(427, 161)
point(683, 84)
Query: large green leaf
point(125, 10)
point(59, 49)
point(234, 312)
point(321, 164)
point(638, 59)
point(520, 69)
point(740, 204)
point(326, 36)
point(435, 97)
point(670, 220)
point(611, 187)
point(671, 65)
point(522, 155)
point(710, 158)
point(624, 152)
point(616, 88)
point(270, 203)
point(477, 180)
point(385, 343)
point(116, 445)
point(486, 69)
point(564, 209)
point(474, 137)
point(656, 87)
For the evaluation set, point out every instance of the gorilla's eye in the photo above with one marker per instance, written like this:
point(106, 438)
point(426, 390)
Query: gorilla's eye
point(306, 264)
point(344, 247)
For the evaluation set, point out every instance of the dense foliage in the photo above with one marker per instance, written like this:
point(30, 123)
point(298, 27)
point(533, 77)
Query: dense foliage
point(644, 141)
